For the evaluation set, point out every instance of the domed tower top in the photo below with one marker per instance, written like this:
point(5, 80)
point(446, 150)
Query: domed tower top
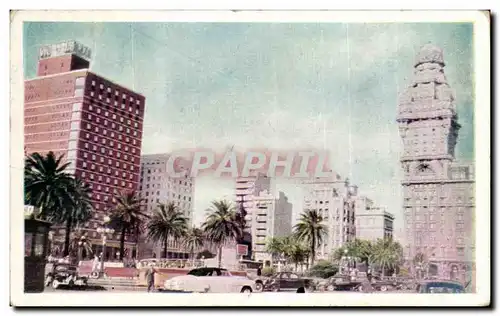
point(430, 54)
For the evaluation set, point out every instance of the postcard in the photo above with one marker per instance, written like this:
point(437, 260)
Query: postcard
point(250, 158)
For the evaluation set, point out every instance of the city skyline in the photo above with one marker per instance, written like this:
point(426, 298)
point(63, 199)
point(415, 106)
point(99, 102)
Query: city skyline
point(331, 81)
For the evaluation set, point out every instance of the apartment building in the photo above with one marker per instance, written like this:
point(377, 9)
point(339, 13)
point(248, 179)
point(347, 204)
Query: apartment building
point(158, 187)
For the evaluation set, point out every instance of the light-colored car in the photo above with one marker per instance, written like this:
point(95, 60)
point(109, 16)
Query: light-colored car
point(210, 280)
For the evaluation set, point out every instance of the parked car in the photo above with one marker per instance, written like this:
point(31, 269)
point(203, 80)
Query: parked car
point(440, 287)
point(342, 282)
point(210, 280)
point(64, 274)
point(288, 281)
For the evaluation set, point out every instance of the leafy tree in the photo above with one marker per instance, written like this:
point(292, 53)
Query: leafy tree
point(222, 225)
point(358, 248)
point(127, 216)
point(311, 230)
point(167, 222)
point(386, 254)
point(194, 240)
point(324, 269)
point(420, 263)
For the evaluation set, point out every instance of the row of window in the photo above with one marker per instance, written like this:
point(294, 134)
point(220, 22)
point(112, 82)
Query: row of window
point(114, 126)
point(109, 161)
point(107, 151)
point(106, 114)
point(111, 141)
point(178, 196)
point(109, 180)
point(109, 91)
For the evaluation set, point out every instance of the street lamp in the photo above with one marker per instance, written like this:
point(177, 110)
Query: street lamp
point(104, 230)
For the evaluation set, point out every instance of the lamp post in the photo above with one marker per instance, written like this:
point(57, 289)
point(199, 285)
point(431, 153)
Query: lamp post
point(104, 230)
point(347, 259)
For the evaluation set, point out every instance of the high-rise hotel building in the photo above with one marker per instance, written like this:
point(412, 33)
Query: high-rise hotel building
point(94, 122)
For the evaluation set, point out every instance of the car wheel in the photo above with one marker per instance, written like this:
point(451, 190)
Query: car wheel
point(330, 288)
point(360, 288)
point(259, 287)
point(246, 289)
point(55, 284)
point(383, 288)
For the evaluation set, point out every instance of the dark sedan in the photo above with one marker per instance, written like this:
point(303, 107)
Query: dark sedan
point(287, 282)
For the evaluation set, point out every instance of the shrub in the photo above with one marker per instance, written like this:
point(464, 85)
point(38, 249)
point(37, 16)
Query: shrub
point(323, 269)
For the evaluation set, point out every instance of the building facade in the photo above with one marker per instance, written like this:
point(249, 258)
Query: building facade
point(271, 217)
point(246, 188)
point(94, 122)
point(438, 192)
point(334, 199)
point(158, 187)
point(373, 223)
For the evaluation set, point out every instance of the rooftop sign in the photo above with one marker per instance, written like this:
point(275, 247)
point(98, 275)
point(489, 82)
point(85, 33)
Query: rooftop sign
point(68, 47)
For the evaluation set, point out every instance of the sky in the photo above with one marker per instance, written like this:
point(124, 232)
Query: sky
point(332, 86)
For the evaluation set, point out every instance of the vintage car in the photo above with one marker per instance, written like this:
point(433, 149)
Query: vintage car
point(209, 280)
point(64, 274)
point(342, 282)
point(288, 281)
point(440, 287)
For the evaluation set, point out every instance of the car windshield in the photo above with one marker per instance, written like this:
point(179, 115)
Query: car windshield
point(443, 287)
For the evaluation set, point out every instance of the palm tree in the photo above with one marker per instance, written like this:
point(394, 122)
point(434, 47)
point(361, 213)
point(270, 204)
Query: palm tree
point(127, 216)
point(310, 229)
point(386, 254)
point(47, 185)
point(276, 247)
point(222, 225)
point(194, 240)
point(79, 245)
point(79, 212)
point(166, 222)
point(298, 253)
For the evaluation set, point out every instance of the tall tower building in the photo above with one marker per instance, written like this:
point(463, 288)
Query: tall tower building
point(438, 193)
point(94, 122)
point(158, 187)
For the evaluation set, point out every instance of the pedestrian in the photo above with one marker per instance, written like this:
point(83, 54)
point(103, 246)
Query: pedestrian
point(259, 271)
point(95, 264)
point(150, 277)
